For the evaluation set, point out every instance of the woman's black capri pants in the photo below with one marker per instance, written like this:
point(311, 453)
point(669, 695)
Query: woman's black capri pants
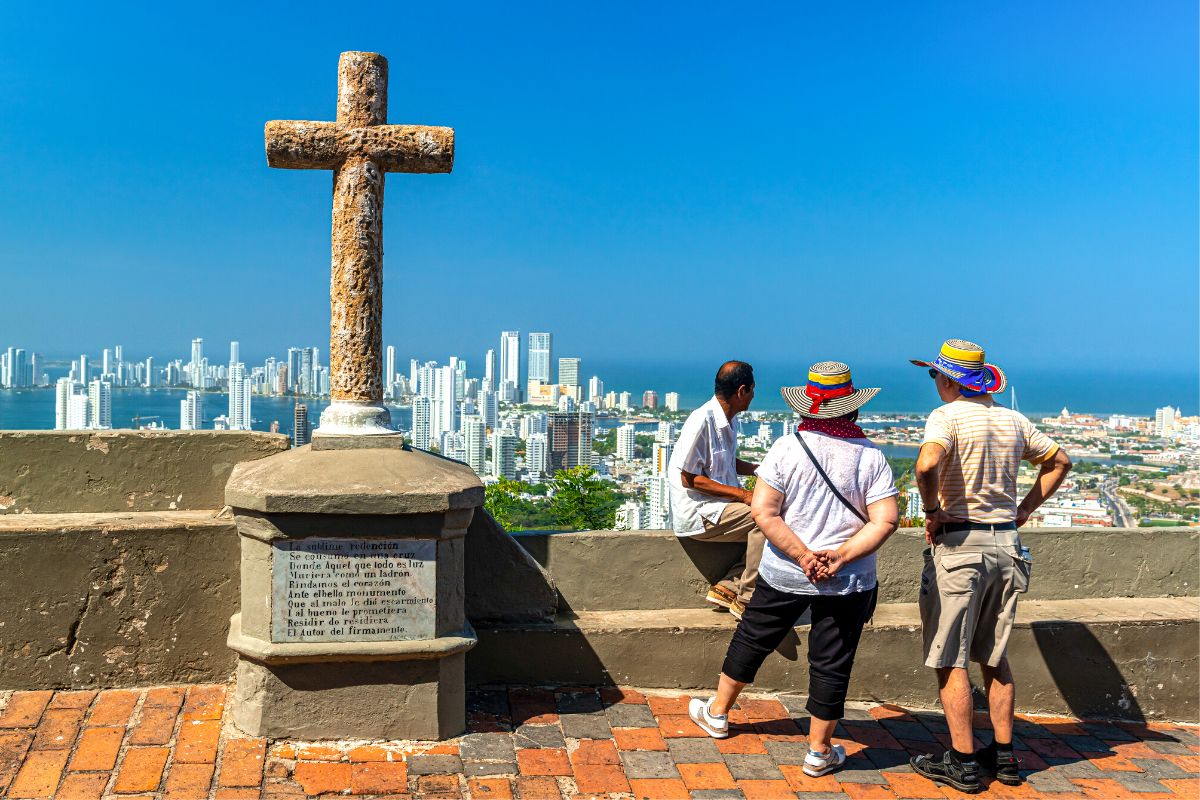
point(837, 623)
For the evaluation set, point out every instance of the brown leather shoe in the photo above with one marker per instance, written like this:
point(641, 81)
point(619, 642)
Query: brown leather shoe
point(721, 597)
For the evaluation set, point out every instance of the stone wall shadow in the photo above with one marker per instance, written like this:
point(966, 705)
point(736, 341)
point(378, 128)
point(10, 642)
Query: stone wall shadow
point(1084, 672)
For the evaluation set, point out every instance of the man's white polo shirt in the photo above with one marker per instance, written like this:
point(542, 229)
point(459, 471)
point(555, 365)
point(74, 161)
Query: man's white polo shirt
point(707, 446)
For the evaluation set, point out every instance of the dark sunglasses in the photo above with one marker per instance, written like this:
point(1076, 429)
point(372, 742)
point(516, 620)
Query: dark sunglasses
point(933, 373)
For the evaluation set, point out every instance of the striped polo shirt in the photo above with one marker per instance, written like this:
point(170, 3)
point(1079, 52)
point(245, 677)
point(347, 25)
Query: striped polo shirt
point(985, 443)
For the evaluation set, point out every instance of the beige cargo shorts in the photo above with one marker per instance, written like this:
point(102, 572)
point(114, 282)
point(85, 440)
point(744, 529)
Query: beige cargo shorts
point(968, 599)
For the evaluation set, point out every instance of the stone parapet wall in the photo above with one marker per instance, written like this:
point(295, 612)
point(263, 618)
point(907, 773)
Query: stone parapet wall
point(103, 600)
point(642, 570)
point(53, 472)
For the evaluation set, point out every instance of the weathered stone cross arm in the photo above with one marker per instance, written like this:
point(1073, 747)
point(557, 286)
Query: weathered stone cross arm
point(326, 145)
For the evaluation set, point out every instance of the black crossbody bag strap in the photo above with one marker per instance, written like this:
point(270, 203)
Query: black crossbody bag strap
point(828, 482)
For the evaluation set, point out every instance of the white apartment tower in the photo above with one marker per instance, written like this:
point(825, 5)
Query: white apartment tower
point(672, 401)
point(489, 371)
point(100, 404)
point(389, 372)
point(510, 366)
point(630, 516)
point(195, 370)
point(595, 390)
point(240, 386)
point(504, 456)
point(665, 433)
point(536, 455)
point(422, 410)
point(626, 439)
point(442, 419)
point(64, 391)
point(540, 354)
point(489, 408)
point(191, 412)
point(660, 504)
point(475, 436)
point(568, 371)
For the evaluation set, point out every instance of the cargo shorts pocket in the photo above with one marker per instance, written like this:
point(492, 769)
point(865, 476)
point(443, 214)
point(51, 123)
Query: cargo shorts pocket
point(1020, 573)
point(958, 573)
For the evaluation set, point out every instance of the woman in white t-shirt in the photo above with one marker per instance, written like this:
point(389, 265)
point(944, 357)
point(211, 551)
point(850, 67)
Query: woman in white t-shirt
point(826, 500)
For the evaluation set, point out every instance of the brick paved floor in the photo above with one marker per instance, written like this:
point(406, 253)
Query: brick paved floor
point(175, 742)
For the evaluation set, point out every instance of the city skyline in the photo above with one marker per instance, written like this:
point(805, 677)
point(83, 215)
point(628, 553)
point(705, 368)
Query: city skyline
point(999, 173)
point(905, 389)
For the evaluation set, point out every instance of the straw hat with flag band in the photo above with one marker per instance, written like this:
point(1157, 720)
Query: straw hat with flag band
point(829, 393)
point(963, 362)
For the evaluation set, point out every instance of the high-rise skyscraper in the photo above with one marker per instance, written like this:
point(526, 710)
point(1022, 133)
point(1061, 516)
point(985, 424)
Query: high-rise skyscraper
point(540, 354)
point(489, 371)
point(195, 368)
point(569, 439)
point(660, 457)
point(665, 433)
point(148, 373)
point(595, 390)
point(568, 371)
point(444, 405)
point(234, 353)
point(510, 366)
point(295, 359)
point(475, 440)
point(64, 390)
point(626, 439)
point(81, 373)
point(301, 432)
point(489, 408)
point(240, 387)
point(422, 410)
point(389, 373)
point(660, 503)
point(504, 455)
point(191, 412)
point(649, 399)
point(100, 404)
point(304, 384)
point(536, 448)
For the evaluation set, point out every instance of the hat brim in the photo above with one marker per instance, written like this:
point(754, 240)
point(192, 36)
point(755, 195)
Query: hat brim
point(800, 402)
point(998, 388)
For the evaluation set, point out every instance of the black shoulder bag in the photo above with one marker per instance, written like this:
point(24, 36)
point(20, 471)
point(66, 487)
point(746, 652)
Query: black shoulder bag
point(828, 482)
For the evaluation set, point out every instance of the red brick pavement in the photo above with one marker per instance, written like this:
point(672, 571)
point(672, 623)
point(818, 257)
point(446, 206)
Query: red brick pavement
point(175, 743)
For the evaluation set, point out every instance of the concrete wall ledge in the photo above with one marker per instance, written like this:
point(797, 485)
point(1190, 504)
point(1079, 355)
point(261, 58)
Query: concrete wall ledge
point(44, 472)
point(656, 569)
point(116, 599)
point(1085, 658)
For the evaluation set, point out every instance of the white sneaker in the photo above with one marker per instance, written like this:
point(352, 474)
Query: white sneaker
point(716, 726)
point(818, 764)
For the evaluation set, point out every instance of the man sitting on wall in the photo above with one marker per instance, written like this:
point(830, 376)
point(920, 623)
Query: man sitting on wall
point(708, 502)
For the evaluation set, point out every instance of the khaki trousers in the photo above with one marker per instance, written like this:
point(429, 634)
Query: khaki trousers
point(736, 525)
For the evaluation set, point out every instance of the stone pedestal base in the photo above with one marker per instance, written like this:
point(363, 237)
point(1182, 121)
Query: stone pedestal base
point(352, 622)
point(358, 700)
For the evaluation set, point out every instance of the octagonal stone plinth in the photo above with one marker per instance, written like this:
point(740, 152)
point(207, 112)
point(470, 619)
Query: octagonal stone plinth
point(352, 621)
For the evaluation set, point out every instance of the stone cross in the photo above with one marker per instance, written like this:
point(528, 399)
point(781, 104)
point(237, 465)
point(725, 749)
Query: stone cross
point(360, 148)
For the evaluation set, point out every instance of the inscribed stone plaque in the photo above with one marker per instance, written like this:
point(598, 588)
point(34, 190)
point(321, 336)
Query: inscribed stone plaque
point(353, 590)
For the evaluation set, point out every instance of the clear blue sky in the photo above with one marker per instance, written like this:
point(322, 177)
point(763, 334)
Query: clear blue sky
point(651, 181)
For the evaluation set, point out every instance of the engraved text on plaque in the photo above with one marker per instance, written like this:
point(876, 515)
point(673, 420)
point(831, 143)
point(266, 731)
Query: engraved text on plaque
point(353, 590)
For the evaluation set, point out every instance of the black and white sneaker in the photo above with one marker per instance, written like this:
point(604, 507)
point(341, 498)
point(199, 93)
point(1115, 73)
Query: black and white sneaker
point(962, 775)
point(1002, 764)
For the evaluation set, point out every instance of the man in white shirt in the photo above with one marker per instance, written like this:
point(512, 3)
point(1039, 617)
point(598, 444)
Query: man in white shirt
point(708, 502)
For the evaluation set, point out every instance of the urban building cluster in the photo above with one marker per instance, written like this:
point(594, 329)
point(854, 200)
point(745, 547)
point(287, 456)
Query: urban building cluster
point(527, 415)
